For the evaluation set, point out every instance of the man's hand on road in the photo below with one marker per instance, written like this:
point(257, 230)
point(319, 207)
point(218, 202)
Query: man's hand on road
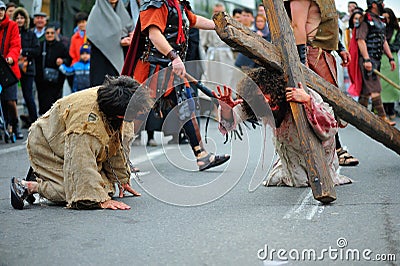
point(114, 205)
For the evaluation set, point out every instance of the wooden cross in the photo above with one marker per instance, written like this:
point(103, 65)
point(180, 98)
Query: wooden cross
point(282, 54)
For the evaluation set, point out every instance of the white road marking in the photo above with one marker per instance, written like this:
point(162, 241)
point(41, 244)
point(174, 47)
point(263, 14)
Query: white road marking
point(306, 208)
point(150, 155)
point(12, 149)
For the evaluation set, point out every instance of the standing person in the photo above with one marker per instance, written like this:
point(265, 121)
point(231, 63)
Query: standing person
point(247, 19)
point(237, 14)
point(217, 51)
point(10, 49)
point(59, 36)
point(372, 44)
point(355, 74)
point(10, 8)
point(261, 86)
point(30, 50)
point(108, 31)
point(265, 30)
point(390, 95)
point(316, 32)
point(351, 7)
point(53, 54)
point(260, 26)
point(40, 21)
point(75, 150)
point(80, 71)
point(79, 37)
point(162, 36)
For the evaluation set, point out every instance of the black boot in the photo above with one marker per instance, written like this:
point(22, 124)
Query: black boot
point(15, 129)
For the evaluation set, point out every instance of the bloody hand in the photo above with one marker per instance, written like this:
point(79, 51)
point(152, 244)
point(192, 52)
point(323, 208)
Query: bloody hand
point(225, 98)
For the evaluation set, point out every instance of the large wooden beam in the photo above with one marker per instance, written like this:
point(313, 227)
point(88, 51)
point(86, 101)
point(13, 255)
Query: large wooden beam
point(314, 155)
point(345, 107)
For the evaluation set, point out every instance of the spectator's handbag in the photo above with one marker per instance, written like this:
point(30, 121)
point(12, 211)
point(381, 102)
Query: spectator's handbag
point(49, 74)
point(23, 64)
point(7, 76)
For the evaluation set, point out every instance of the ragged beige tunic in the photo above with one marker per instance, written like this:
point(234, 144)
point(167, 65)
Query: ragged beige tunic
point(73, 151)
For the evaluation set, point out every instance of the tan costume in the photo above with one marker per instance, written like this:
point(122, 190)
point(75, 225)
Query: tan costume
point(75, 154)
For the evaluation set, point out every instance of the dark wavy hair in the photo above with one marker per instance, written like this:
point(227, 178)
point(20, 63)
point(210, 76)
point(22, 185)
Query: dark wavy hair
point(114, 97)
point(356, 11)
point(393, 23)
point(270, 82)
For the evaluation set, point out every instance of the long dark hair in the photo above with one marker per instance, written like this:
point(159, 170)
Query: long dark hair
point(271, 82)
point(393, 23)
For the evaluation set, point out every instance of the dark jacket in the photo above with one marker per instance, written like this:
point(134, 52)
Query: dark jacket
point(30, 49)
point(54, 50)
point(29, 42)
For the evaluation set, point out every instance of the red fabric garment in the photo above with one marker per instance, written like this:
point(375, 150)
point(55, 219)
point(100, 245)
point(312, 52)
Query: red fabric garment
point(133, 67)
point(74, 49)
point(132, 56)
point(12, 43)
point(181, 36)
point(354, 69)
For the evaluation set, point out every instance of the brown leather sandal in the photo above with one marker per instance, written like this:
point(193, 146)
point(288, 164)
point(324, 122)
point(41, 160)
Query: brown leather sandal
point(207, 163)
point(346, 159)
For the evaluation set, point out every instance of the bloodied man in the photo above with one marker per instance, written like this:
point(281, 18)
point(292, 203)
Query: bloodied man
point(262, 86)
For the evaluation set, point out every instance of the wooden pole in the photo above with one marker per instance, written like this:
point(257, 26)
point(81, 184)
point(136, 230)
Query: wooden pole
point(268, 55)
point(314, 155)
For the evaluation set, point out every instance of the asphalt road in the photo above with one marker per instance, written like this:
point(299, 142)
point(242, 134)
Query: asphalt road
point(235, 227)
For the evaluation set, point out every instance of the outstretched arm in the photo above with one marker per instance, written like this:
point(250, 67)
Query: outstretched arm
point(226, 102)
point(204, 23)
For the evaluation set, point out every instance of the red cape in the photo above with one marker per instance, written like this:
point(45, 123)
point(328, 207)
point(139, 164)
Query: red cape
point(133, 52)
point(354, 69)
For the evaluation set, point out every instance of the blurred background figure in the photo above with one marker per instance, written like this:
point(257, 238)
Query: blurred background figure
point(53, 54)
point(390, 95)
point(30, 50)
point(237, 14)
point(216, 51)
point(79, 37)
point(10, 8)
point(109, 29)
point(10, 42)
point(354, 71)
point(80, 71)
point(40, 21)
point(262, 26)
